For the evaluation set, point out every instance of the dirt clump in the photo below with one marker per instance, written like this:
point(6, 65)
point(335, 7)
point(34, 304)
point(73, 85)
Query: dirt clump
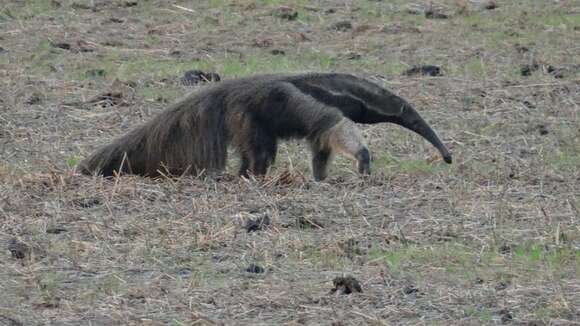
point(18, 250)
point(86, 202)
point(342, 26)
point(96, 73)
point(56, 230)
point(557, 72)
point(425, 70)
point(346, 285)
point(410, 289)
point(506, 316)
point(258, 224)
point(61, 45)
point(194, 77)
point(286, 13)
point(489, 5)
point(35, 98)
point(254, 268)
point(277, 52)
point(434, 14)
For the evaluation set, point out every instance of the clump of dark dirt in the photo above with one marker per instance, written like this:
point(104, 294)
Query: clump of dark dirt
point(86, 202)
point(61, 45)
point(526, 70)
point(434, 14)
point(56, 230)
point(75, 47)
point(35, 98)
point(425, 70)
point(96, 73)
point(506, 316)
point(113, 43)
point(277, 52)
point(557, 72)
point(263, 42)
point(342, 26)
point(542, 129)
point(258, 224)
point(253, 268)
point(18, 250)
point(194, 77)
point(505, 249)
point(489, 5)
point(346, 285)
point(116, 20)
point(410, 289)
point(502, 285)
point(528, 104)
point(286, 13)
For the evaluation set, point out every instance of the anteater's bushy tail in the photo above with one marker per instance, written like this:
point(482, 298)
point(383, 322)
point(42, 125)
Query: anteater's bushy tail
point(187, 138)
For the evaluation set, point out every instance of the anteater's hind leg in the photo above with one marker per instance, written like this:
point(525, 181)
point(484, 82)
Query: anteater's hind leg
point(345, 138)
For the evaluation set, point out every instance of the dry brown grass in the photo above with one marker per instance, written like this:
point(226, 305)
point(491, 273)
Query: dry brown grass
point(494, 238)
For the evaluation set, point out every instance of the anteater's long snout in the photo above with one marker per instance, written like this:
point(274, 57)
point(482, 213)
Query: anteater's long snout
point(411, 120)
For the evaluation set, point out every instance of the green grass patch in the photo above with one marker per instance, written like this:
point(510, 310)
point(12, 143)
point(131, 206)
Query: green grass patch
point(163, 94)
point(475, 66)
point(26, 10)
point(324, 258)
point(72, 161)
point(464, 261)
point(567, 160)
point(234, 67)
point(448, 256)
point(484, 315)
point(136, 67)
point(567, 21)
point(43, 59)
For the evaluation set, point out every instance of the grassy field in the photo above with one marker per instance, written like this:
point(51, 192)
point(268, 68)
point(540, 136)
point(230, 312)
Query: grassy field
point(492, 239)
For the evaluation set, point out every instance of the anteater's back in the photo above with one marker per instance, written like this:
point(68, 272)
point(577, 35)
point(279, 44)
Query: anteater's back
point(183, 139)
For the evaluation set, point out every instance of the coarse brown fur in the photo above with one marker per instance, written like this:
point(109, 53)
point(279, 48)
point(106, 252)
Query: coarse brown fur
point(252, 114)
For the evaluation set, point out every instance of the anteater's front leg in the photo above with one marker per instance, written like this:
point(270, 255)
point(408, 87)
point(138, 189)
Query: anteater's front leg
point(257, 150)
point(345, 138)
point(320, 161)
